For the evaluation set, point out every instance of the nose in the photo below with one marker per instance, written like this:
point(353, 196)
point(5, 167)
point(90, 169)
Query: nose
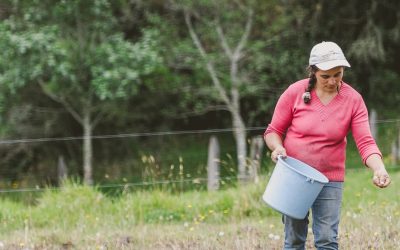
point(332, 80)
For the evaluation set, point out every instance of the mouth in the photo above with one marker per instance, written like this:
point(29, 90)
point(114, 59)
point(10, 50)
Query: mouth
point(331, 87)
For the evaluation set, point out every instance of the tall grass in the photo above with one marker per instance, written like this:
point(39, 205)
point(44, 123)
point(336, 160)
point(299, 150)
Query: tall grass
point(233, 218)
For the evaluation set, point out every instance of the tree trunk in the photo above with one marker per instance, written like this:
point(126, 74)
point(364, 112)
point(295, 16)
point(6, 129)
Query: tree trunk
point(232, 101)
point(241, 149)
point(87, 149)
point(87, 124)
point(213, 164)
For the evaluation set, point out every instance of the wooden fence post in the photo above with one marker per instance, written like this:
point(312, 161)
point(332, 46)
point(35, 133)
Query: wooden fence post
point(213, 164)
point(398, 146)
point(394, 153)
point(61, 169)
point(256, 148)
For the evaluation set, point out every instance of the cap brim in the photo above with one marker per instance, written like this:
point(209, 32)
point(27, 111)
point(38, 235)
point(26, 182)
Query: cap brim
point(332, 64)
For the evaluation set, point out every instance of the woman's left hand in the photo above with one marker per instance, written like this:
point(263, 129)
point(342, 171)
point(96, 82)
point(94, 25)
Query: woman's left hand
point(381, 178)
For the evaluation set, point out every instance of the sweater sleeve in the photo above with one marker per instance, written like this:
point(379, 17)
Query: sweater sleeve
point(361, 131)
point(283, 114)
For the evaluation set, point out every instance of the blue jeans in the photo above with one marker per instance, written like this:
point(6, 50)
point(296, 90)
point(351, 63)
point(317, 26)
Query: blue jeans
point(325, 214)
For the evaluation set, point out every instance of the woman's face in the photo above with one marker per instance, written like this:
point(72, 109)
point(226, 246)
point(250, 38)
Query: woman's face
point(329, 80)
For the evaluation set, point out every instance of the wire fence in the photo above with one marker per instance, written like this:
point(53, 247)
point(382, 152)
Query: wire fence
point(127, 135)
point(146, 134)
point(7, 176)
point(120, 185)
point(125, 186)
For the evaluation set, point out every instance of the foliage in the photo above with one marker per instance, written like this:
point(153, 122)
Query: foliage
point(102, 64)
point(75, 52)
point(263, 69)
point(134, 66)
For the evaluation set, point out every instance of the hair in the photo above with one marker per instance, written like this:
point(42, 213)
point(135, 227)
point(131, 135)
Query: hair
point(312, 69)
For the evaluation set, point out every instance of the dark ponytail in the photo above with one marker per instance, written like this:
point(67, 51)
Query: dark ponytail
point(311, 84)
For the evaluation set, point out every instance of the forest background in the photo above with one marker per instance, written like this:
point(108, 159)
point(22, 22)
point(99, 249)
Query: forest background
point(129, 91)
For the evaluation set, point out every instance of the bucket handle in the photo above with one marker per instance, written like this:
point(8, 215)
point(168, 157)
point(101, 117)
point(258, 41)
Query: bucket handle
point(310, 180)
point(280, 156)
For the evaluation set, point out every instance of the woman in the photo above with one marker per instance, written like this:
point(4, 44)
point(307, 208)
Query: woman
point(310, 123)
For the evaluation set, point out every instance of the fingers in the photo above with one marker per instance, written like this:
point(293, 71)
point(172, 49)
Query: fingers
point(279, 151)
point(381, 181)
point(274, 158)
point(387, 182)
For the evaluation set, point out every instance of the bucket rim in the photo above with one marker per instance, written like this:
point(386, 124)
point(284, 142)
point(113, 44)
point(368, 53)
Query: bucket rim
point(282, 160)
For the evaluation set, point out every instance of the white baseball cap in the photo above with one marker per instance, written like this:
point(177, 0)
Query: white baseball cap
point(327, 55)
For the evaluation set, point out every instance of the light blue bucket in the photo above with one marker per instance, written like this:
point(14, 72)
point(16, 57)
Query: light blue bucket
point(293, 187)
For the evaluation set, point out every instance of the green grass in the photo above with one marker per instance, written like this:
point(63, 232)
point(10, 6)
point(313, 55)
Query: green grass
point(85, 217)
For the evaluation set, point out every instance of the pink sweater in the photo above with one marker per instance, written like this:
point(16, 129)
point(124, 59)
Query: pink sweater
point(316, 133)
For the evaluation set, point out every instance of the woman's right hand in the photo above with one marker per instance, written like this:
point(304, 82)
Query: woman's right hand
point(280, 150)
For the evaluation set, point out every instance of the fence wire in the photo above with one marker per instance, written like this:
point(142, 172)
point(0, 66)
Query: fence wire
point(133, 135)
point(118, 185)
point(146, 134)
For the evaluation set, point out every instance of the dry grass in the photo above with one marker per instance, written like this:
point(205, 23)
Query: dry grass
point(374, 228)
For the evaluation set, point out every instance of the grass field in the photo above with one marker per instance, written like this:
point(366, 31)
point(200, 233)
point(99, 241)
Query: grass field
point(81, 217)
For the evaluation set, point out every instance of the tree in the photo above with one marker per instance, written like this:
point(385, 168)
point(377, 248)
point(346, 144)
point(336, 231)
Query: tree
point(230, 94)
point(233, 42)
point(76, 53)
